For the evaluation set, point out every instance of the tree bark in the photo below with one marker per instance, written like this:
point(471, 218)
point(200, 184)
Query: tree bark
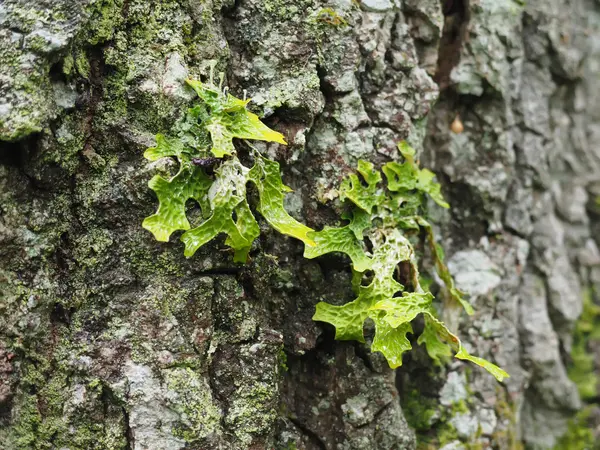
point(111, 340)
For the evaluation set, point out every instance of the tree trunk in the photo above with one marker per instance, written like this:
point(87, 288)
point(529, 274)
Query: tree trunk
point(111, 340)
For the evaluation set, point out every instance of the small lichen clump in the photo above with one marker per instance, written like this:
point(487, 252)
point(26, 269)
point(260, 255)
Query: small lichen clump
point(210, 128)
point(384, 218)
point(200, 417)
point(582, 368)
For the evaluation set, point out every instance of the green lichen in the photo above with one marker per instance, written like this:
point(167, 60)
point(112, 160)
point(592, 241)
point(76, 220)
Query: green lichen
point(68, 64)
point(283, 10)
point(582, 368)
point(579, 435)
point(115, 107)
point(53, 417)
point(37, 44)
point(388, 217)
point(26, 422)
point(433, 422)
point(507, 433)
point(283, 361)
point(330, 17)
point(582, 371)
point(104, 18)
point(252, 412)
point(81, 63)
point(140, 261)
point(437, 437)
point(222, 199)
point(385, 216)
point(420, 411)
point(197, 411)
point(70, 139)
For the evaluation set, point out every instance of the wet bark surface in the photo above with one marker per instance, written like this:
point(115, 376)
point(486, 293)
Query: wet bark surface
point(111, 340)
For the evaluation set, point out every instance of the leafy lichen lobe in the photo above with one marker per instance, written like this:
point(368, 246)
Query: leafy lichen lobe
point(210, 128)
point(386, 217)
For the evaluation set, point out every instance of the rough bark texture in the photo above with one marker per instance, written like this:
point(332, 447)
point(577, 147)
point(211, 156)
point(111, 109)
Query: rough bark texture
point(110, 340)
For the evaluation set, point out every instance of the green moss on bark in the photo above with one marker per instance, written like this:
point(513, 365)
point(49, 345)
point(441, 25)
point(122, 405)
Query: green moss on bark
point(583, 364)
point(200, 417)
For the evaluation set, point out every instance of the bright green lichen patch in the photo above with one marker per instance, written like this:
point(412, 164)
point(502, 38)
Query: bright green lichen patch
point(193, 401)
point(385, 216)
point(435, 422)
point(394, 215)
point(106, 15)
point(580, 435)
point(330, 17)
point(211, 127)
point(420, 411)
point(230, 119)
point(581, 370)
